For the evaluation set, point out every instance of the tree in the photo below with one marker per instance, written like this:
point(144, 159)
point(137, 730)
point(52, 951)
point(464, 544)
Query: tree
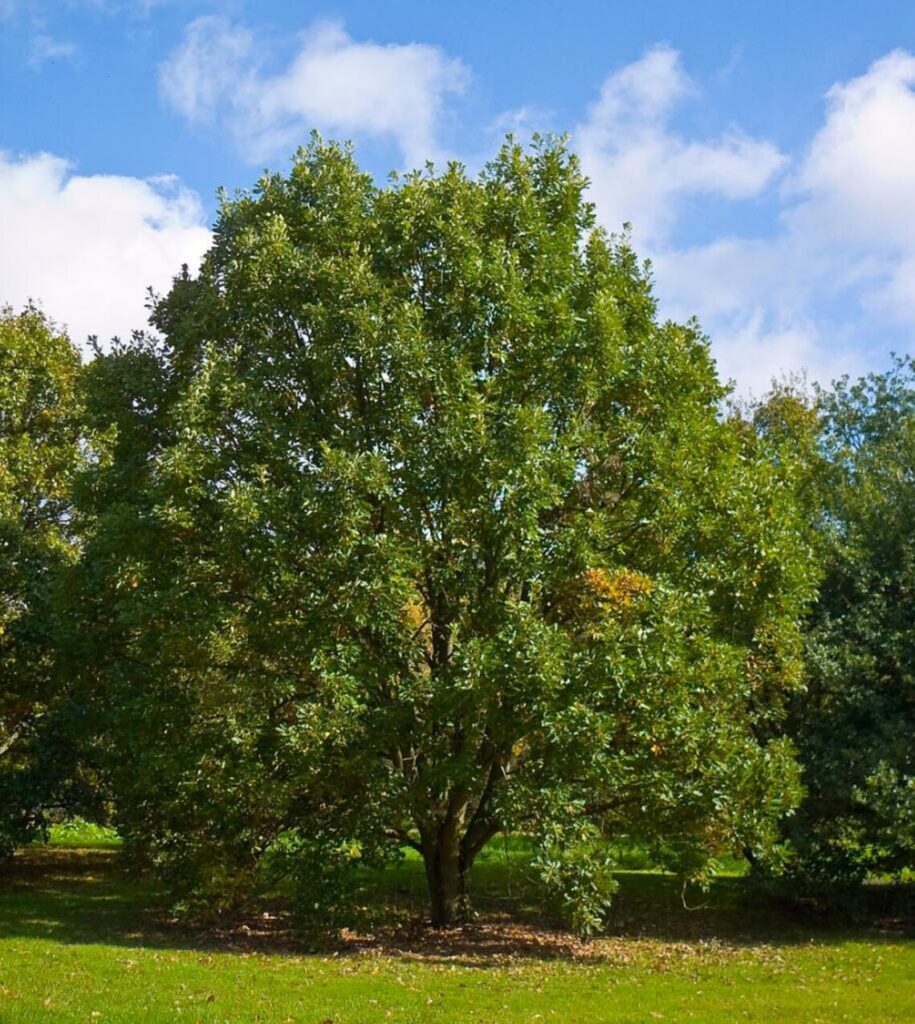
point(39, 454)
point(855, 720)
point(443, 535)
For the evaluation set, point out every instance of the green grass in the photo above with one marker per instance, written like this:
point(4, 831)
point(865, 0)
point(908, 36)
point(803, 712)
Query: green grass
point(79, 834)
point(82, 940)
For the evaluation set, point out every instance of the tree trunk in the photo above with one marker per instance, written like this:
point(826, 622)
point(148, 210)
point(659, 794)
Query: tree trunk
point(449, 847)
point(445, 875)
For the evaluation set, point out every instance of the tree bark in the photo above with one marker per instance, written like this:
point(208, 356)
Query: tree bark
point(446, 889)
point(449, 847)
point(445, 874)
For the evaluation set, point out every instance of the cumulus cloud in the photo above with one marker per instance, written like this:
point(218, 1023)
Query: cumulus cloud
point(756, 300)
point(641, 169)
point(857, 182)
point(334, 83)
point(88, 246)
point(838, 270)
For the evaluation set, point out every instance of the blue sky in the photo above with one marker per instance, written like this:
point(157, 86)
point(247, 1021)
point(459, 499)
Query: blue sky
point(764, 152)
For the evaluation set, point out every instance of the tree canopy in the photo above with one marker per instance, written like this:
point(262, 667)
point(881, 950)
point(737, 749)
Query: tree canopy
point(855, 720)
point(420, 527)
point(40, 433)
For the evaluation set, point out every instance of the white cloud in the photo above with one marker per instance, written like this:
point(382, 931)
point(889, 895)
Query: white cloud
point(641, 169)
point(87, 247)
point(857, 182)
point(213, 62)
point(752, 351)
point(334, 83)
point(835, 275)
point(757, 300)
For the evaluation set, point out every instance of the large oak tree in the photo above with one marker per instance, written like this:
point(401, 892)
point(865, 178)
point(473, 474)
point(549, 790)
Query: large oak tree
point(439, 533)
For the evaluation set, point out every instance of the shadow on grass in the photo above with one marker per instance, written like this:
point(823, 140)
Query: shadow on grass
point(89, 897)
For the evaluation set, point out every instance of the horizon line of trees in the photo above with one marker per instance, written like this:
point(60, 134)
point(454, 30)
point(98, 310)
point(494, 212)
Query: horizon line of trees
point(411, 525)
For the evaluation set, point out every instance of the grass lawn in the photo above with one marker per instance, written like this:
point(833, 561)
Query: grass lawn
point(82, 940)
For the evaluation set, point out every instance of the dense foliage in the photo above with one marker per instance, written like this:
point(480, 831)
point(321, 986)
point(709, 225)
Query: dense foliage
point(39, 453)
point(412, 525)
point(420, 527)
point(855, 722)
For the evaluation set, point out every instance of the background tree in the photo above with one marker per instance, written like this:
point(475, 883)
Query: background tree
point(855, 721)
point(39, 454)
point(441, 534)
